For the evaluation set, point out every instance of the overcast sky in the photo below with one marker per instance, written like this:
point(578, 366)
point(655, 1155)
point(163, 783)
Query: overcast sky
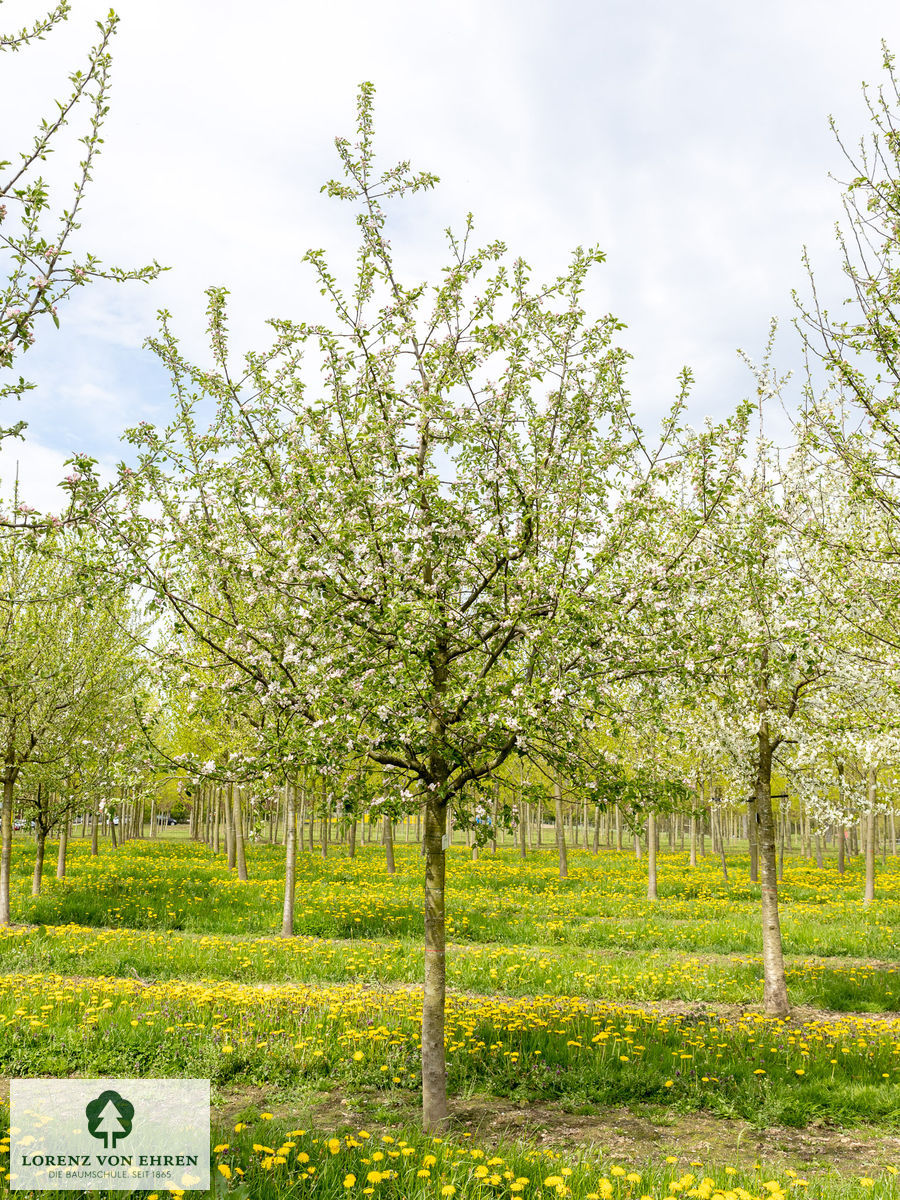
point(689, 141)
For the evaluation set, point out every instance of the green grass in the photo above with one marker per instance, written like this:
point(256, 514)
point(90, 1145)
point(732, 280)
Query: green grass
point(270, 1160)
point(502, 900)
point(153, 959)
point(513, 970)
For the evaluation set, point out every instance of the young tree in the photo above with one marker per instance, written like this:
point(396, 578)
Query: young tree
point(441, 545)
point(60, 664)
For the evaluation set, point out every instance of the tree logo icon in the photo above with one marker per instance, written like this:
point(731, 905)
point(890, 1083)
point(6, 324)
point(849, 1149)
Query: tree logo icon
point(109, 1117)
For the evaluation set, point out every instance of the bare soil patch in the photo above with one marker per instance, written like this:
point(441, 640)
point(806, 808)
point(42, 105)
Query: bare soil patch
point(619, 1134)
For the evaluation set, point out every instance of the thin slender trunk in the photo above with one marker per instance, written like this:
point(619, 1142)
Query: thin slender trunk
point(38, 877)
point(872, 796)
point(230, 839)
point(351, 839)
point(153, 822)
point(753, 820)
point(6, 825)
point(775, 997)
point(434, 1062)
point(781, 824)
point(238, 833)
point(95, 830)
point(595, 849)
point(496, 801)
point(560, 834)
point(388, 835)
point(820, 863)
point(112, 826)
point(63, 847)
point(523, 843)
point(323, 822)
point(651, 856)
point(290, 863)
point(693, 859)
point(619, 845)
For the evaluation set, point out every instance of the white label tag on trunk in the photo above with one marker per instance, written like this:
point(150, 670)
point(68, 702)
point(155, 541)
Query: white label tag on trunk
point(445, 842)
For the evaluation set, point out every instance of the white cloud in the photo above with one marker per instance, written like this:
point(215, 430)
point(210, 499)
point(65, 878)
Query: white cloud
point(689, 141)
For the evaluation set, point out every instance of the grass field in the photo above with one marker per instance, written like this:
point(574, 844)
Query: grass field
point(597, 1045)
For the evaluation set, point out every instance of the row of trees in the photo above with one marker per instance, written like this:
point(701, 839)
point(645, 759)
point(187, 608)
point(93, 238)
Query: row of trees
point(427, 544)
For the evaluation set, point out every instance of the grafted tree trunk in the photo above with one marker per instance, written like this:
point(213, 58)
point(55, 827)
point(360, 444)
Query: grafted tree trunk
point(434, 1063)
point(290, 864)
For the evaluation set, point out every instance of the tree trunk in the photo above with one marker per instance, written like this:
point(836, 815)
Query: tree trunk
point(782, 821)
point(153, 822)
point(95, 830)
point(494, 805)
point(290, 863)
point(872, 796)
point(63, 847)
point(693, 861)
point(434, 1063)
point(595, 848)
point(238, 833)
point(351, 839)
point(230, 840)
point(38, 877)
point(388, 835)
point(651, 856)
point(775, 995)
point(112, 826)
point(619, 845)
point(753, 821)
point(6, 829)
point(560, 834)
point(523, 843)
